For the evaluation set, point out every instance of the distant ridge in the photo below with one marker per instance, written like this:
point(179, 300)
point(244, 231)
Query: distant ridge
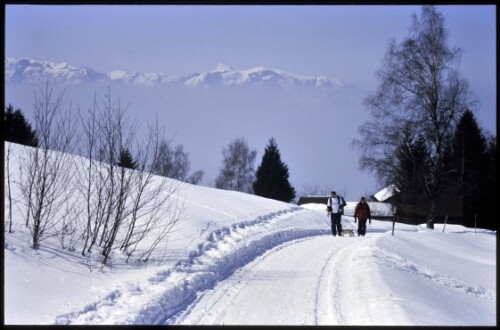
point(29, 71)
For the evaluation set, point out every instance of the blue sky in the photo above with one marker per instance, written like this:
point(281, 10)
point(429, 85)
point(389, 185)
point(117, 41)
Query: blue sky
point(341, 42)
point(346, 42)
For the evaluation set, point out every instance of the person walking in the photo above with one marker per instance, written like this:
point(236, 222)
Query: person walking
point(362, 213)
point(335, 209)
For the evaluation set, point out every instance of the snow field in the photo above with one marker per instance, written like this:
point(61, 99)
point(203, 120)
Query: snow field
point(241, 259)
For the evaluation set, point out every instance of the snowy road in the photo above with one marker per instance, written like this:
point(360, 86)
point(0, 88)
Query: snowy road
point(306, 280)
point(268, 271)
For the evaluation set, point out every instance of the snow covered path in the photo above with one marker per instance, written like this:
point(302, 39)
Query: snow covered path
point(264, 273)
point(324, 280)
point(304, 275)
point(155, 300)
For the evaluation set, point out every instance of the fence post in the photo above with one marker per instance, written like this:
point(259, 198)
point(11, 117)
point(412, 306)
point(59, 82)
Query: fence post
point(475, 223)
point(393, 220)
point(445, 220)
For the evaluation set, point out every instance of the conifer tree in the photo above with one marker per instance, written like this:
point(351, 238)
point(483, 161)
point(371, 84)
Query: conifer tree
point(469, 162)
point(487, 213)
point(409, 174)
point(17, 128)
point(271, 179)
point(126, 159)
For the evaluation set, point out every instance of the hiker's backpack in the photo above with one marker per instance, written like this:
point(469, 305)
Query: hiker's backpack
point(341, 202)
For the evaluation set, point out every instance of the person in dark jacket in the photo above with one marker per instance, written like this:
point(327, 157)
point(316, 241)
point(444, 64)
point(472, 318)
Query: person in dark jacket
point(362, 213)
point(335, 209)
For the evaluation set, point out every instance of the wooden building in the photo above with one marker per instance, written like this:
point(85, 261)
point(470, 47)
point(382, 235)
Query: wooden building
point(449, 204)
point(314, 199)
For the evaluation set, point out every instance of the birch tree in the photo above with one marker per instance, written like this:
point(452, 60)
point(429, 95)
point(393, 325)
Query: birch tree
point(127, 207)
point(237, 172)
point(48, 168)
point(420, 91)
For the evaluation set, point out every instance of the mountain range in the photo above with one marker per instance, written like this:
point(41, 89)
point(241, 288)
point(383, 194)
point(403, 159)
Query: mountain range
point(29, 71)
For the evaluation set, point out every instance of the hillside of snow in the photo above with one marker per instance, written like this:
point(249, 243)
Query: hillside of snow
point(239, 259)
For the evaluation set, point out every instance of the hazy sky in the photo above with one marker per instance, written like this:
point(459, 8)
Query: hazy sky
point(341, 42)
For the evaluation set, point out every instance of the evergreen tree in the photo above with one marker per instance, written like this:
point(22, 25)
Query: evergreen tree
point(410, 171)
point(17, 129)
point(487, 214)
point(469, 162)
point(126, 159)
point(271, 179)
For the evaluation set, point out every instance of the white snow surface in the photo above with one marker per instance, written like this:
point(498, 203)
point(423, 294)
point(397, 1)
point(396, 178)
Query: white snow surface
point(238, 259)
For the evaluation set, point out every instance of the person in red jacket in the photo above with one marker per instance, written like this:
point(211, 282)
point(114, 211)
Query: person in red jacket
point(362, 213)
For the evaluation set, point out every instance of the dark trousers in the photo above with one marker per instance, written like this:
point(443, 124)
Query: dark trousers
point(362, 227)
point(336, 224)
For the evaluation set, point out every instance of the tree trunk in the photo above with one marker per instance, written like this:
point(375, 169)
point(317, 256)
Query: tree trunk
point(432, 214)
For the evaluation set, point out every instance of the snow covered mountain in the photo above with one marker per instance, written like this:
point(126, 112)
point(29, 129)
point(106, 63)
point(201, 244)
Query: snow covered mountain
point(259, 76)
point(30, 71)
point(140, 78)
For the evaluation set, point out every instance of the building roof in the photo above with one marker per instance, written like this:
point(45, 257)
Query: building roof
point(317, 199)
point(386, 193)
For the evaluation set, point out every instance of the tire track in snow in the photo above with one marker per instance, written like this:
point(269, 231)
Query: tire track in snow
point(324, 304)
point(223, 267)
point(328, 302)
point(395, 261)
point(231, 291)
point(155, 300)
point(324, 297)
point(326, 311)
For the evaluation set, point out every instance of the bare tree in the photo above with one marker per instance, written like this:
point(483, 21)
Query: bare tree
point(69, 231)
point(420, 92)
point(148, 197)
point(9, 193)
point(125, 208)
point(115, 208)
point(48, 168)
point(175, 163)
point(196, 177)
point(102, 183)
point(89, 185)
point(308, 189)
point(117, 135)
point(237, 172)
point(161, 223)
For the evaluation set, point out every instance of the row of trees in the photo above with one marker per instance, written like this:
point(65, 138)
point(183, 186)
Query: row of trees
point(238, 165)
point(473, 159)
point(470, 163)
point(113, 198)
point(270, 180)
point(422, 136)
point(110, 199)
